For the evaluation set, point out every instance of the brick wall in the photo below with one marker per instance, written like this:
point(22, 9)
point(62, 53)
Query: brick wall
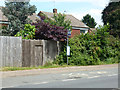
point(75, 32)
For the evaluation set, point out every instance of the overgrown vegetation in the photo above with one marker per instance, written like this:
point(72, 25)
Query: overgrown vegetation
point(52, 29)
point(111, 15)
point(49, 32)
point(57, 20)
point(17, 14)
point(28, 32)
point(92, 49)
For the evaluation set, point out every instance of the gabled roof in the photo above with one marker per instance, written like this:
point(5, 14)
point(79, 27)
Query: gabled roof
point(74, 21)
point(33, 17)
point(2, 17)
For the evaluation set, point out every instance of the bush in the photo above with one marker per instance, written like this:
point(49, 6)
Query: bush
point(27, 33)
point(92, 49)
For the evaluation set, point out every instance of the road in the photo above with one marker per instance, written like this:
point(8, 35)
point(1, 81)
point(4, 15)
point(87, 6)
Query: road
point(101, 78)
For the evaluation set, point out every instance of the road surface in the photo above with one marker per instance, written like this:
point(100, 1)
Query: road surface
point(101, 78)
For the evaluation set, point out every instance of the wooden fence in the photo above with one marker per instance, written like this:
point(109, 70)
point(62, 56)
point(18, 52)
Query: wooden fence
point(15, 52)
point(10, 51)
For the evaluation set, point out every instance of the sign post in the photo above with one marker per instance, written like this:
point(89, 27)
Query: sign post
point(68, 47)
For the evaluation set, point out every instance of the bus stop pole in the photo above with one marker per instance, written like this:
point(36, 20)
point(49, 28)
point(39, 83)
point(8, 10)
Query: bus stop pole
point(67, 46)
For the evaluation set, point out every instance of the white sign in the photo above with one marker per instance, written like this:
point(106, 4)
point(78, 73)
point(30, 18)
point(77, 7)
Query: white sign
point(69, 33)
point(68, 50)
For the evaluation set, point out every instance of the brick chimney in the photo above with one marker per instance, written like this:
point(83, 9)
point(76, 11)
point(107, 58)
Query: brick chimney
point(54, 10)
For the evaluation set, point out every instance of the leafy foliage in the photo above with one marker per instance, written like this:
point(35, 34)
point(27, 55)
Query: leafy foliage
point(89, 21)
point(92, 49)
point(56, 29)
point(58, 20)
point(27, 33)
point(17, 14)
point(47, 31)
point(111, 15)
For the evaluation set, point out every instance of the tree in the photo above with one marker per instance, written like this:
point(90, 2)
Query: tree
point(54, 29)
point(111, 15)
point(17, 14)
point(49, 32)
point(58, 20)
point(89, 21)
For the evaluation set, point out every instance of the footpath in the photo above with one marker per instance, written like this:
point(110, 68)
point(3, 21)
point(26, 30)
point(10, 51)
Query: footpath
point(5, 74)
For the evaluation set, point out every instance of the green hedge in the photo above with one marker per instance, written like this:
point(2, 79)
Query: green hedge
point(92, 49)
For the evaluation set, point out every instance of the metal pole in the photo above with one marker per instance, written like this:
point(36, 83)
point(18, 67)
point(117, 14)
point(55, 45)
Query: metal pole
point(67, 45)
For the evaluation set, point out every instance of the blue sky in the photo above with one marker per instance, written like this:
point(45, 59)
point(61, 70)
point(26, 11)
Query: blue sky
point(77, 8)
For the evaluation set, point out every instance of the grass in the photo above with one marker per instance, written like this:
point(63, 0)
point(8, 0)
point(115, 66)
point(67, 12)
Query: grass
point(30, 68)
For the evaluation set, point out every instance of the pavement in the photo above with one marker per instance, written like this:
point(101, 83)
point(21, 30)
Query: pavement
point(5, 74)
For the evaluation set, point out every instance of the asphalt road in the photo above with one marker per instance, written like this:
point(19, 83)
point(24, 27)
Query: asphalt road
point(102, 82)
point(103, 78)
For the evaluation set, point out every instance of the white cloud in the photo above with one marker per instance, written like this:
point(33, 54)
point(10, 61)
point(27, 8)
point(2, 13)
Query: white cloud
point(95, 13)
point(2, 3)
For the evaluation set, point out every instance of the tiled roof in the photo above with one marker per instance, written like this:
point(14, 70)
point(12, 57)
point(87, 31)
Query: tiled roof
point(2, 17)
point(74, 21)
point(33, 17)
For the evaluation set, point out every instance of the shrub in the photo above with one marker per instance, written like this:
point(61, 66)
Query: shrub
point(27, 33)
point(92, 49)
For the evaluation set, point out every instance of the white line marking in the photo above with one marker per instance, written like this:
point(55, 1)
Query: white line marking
point(41, 83)
point(94, 77)
point(70, 74)
point(68, 80)
point(64, 74)
point(84, 74)
point(101, 72)
point(113, 75)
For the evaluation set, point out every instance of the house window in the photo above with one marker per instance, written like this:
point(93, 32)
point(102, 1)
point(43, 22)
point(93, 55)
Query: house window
point(82, 31)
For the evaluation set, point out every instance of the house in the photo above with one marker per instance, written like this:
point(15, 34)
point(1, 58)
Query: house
point(3, 19)
point(77, 25)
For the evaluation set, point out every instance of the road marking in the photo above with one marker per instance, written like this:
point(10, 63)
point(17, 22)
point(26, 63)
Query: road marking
point(68, 80)
point(103, 72)
point(70, 74)
point(41, 83)
point(94, 77)
point(113, 75)
point(64, 74)
point(84, 74)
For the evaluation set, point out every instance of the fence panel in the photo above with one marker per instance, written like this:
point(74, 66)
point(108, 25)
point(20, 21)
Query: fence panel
point(10, 51)
point(15, 52)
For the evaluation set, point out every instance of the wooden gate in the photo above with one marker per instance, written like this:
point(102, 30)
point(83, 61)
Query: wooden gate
point(38, 55)
point(32, 53)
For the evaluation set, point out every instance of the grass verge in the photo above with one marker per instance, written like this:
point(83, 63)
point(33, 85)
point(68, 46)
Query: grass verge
point(30, 68)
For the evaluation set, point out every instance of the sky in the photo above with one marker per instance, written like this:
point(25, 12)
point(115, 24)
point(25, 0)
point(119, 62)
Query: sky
point(77, 8)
